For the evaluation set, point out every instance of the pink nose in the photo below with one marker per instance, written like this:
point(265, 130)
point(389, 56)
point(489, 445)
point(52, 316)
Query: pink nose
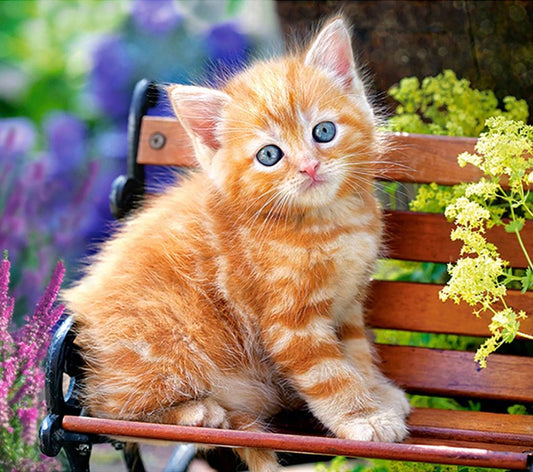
point(310, 168)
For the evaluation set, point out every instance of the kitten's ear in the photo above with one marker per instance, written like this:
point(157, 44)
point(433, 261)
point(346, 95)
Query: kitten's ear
point(332, 51)
point(199, 110)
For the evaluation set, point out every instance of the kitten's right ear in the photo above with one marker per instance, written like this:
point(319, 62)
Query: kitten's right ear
point(199, 110)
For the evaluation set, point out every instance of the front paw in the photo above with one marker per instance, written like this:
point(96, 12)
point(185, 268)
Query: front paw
point(394, 398)
point(383, 425)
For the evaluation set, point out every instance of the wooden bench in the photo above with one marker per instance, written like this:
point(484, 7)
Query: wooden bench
point(489, 438)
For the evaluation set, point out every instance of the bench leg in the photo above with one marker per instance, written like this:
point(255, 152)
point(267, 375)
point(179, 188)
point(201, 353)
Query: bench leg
point(132, 457)
point(181, 458)
point(78, 455)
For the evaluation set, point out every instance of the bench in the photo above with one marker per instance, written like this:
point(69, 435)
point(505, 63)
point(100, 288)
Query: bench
point(488, 438)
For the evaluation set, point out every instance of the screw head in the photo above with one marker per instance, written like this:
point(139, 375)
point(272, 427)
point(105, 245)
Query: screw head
point(84, 449)
point(157, 140)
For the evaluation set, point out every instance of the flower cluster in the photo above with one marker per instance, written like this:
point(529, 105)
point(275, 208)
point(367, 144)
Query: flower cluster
point(480, 277)
point(22, 377)
point(42, 196)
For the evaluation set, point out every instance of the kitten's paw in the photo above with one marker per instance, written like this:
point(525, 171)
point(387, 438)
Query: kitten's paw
point(205, 412)
point(383, 426)
point(394, 398)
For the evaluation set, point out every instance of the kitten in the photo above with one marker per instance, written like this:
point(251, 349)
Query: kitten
point(240, 291)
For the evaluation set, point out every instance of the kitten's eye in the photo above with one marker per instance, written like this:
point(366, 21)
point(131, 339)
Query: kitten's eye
point(324, 132)
point(269, 155)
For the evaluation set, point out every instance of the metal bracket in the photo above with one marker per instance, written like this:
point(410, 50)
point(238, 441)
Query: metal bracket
point(127, 190)
point(63, 358)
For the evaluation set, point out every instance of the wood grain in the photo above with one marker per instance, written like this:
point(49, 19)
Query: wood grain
point(411, 158)
point(427, 158)
point(472, 426)
point(446, 373)
point(177, 150)
point(417, 307)
point(426, 237)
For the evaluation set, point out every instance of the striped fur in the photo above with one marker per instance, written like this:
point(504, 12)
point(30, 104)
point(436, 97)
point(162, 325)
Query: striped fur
point(240, 292)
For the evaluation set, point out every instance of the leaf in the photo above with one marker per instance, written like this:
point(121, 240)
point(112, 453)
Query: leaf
point(527, 280)
point(517, 410)
point(515, 225)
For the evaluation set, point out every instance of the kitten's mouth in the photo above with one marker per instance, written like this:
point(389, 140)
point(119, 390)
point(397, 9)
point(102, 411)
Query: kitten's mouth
point(313, 182)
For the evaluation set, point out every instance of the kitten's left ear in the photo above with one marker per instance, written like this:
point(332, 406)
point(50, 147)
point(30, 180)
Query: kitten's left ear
point(332, 51)
point(199, 110)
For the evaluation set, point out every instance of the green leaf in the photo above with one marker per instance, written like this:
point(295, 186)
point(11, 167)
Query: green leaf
point(527, 280)
point(517, 410)
point(515, 225)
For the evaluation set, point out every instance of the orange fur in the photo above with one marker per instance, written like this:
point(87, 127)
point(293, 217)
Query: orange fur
point(241, 288)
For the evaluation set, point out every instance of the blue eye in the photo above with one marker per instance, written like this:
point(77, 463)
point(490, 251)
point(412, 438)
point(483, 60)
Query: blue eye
point(324, 132)
point(269, 155)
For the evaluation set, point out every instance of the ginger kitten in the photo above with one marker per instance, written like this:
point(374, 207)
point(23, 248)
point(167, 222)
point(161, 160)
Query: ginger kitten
point(239, 292)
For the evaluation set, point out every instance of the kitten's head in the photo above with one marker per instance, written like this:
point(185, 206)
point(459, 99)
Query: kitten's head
point(295, 133)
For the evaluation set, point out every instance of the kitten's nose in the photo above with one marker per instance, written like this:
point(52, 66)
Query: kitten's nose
point(310, 167)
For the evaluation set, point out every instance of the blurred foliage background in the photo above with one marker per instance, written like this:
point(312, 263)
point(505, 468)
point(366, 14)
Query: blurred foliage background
point(67, 71)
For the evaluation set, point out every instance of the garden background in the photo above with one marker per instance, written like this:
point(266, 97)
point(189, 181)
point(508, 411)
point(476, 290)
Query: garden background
point(68, 68)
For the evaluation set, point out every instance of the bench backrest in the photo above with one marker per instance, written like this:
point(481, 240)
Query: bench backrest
point(407, 306)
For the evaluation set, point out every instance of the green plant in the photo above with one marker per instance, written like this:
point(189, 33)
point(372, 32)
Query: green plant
point(340, 464)
point(449, 106)
point(481, 277)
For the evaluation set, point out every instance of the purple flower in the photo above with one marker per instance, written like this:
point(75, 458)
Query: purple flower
point(112, 144)
point(156, 16)
point(227, 47)
point(21, 374)
point(67, 141)
point(111, 76)
point(17, 136)
point(8, 369)
point(7, 304)
point(28, 418)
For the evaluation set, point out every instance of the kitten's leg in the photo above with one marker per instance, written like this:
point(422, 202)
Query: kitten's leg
point(360, 351)
point(258, 460)
point(305, 346)
point(206, 412)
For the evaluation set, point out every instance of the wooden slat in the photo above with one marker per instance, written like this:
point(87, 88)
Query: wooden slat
point(177, 150)
point(417, 307)
point(495, 431)
point(473, 426)
point(426, 237)
point(296, 443)
point(428, 158)
point(455, 374)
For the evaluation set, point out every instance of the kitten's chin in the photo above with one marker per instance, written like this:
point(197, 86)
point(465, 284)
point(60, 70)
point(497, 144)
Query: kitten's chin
point(315, 194)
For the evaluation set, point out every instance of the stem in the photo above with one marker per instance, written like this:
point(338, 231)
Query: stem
point(524, 335)
point(524, 200)
point(524, 249)
point(520, 240)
